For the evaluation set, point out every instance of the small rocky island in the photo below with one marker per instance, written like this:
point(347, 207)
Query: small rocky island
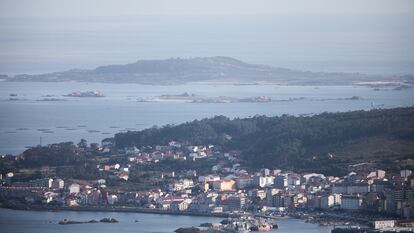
point(193, 98)
point(109, 220)
point(67, 222)
point(85, 94)
point(104, 220)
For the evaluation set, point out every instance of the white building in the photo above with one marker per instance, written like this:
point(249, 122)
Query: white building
point(382, 224)
point(405, 173)
point(74, 188)
point(308, 176)
point(327, 201)
point(112, 199)
point(209, 178)
point(263, 181)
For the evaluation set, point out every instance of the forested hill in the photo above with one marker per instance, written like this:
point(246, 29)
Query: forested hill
point(325, 142)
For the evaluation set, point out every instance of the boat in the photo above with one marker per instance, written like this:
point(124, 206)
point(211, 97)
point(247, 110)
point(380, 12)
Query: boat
point(324, 224)
point(263, 227)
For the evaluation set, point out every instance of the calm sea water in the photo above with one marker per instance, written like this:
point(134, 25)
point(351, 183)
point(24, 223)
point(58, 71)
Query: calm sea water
point(23, 122)
point(17, 221)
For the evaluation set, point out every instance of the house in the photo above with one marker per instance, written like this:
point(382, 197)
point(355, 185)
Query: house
point(72, 202)
point(179, 206)
point(112, 199)
point(224, 185)
point(208, 178)
point(377, 174)
point(123, 176)
point(58, 184)
point(74, 188)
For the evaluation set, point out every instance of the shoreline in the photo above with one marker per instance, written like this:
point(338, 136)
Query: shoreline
point(369, 84)
point(121, 210)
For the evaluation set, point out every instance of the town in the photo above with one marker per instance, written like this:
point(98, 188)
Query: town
point(203, 180)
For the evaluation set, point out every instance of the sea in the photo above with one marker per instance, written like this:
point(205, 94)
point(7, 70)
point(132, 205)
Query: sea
point(22, 221)
point(27, 120)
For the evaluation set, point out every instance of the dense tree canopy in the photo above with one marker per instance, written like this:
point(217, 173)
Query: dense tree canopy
point(52, 155)
point(297, 142)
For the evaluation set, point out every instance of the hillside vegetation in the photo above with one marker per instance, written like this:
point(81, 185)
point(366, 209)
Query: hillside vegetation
point(326, 142)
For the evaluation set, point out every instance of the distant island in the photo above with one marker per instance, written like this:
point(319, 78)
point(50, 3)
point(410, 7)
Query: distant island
point(211, 70)
point(193, 98)
point(85, 94)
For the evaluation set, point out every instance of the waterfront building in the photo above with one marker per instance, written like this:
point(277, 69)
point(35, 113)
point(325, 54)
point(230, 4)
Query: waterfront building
point(233, 203)
point(382, 224)
point(74, 188)
point(112, 199)
point(38, 183)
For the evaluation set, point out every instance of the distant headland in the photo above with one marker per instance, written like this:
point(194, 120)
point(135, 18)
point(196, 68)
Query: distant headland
point(210, 70)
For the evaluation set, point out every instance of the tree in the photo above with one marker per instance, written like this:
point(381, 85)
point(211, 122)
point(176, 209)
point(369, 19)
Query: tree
point(83, 143)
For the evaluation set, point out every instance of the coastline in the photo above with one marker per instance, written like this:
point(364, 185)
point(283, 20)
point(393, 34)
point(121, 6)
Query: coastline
point(368, 83)
point(120, 209)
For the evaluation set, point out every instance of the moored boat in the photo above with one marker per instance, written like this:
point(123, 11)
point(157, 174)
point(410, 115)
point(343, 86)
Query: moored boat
point(264, 227)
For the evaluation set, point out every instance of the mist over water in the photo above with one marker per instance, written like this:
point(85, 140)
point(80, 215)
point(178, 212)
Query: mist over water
point(373, 43)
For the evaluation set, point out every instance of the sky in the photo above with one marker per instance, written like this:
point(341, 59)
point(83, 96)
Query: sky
point(75, 8)
point(370, 36)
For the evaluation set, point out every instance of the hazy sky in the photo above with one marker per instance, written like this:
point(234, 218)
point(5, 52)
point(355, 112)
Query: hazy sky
point(198, 7)
point(372, 36)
